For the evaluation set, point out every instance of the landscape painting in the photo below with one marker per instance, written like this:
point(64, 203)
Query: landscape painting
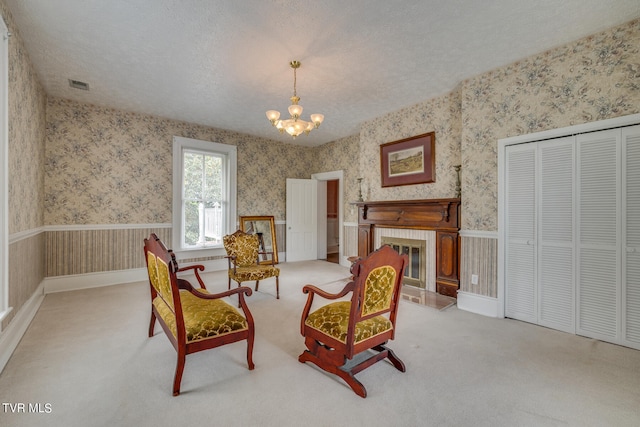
point(408, 161)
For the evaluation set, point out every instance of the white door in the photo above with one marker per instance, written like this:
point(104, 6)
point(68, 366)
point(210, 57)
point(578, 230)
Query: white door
point(556, 234)
point(302, 219)
point(631, 235)
point(520, 256)
point(598, 201)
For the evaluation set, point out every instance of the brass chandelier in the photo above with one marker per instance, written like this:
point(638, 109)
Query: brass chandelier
point(294, 126)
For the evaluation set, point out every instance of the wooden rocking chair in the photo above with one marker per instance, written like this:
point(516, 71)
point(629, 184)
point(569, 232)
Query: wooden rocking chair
point(360, 327)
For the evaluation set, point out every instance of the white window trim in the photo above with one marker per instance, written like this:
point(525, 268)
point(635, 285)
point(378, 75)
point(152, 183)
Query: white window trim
point(180, 144)
point(4, 170)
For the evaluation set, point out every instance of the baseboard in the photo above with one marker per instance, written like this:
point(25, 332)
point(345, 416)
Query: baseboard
point(478, 304)
point(77, 282)
point(12, 335)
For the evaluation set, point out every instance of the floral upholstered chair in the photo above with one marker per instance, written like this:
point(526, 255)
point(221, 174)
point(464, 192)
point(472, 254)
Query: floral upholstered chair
point(337, 332)
point(192, 318)
point(243, 251)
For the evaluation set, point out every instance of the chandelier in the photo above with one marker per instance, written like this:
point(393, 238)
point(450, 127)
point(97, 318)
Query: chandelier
point(294, 126)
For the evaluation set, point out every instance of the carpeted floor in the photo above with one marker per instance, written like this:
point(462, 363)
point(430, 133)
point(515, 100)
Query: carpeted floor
point(86, 360)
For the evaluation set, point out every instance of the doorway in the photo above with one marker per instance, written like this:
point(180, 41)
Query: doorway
point(334, 215)
point(333, 232)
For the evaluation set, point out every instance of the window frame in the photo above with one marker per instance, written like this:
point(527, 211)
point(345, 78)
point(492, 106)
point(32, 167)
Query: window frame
point(229, 153)
point(4, 170)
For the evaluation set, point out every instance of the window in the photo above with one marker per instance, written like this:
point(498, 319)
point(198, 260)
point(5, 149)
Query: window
point(204, 193)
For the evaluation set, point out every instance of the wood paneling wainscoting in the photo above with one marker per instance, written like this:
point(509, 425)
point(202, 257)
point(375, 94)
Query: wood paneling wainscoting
point(97, 250)
point(441, 215)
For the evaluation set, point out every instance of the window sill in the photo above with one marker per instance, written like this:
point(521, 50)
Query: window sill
point(200, 253)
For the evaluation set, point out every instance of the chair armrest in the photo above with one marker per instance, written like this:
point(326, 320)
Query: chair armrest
point(241, 291)
point(196, 269)
point(310, 289)
point(313, 290)
point(266, 253)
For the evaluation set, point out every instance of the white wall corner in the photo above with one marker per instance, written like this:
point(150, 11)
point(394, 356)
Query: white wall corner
point(478, 304)
point(11, 336)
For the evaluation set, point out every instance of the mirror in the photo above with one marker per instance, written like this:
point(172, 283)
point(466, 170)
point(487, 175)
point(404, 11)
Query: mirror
point(264, 227)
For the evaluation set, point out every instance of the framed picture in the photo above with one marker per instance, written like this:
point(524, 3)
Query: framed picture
point(409, 161)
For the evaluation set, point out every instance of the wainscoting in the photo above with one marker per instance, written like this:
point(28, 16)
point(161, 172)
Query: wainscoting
point(71, 252)
point(479, 257)
point(26, 270)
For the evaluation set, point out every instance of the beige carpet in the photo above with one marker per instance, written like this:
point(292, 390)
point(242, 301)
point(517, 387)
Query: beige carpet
point(87, 356)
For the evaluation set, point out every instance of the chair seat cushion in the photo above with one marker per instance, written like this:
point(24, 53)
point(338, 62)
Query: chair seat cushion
point(203, 318)
point(254, 272)
point(333, 320)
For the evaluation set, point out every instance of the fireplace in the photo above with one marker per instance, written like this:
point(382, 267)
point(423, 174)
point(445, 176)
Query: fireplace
point(415, 272)
point(439, 216)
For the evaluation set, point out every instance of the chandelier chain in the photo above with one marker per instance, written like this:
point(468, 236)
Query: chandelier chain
point(294, 82)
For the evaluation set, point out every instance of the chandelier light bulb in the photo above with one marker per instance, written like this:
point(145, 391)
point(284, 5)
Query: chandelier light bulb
point(317, 119)
point(273, 116)
point(295, 111)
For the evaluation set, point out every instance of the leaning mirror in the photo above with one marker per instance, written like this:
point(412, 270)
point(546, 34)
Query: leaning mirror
point(264, 227)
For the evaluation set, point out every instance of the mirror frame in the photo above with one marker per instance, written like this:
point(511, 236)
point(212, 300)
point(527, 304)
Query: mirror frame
point(244, 220)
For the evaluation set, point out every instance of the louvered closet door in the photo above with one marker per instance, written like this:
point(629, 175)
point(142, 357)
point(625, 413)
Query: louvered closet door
point(631, 235)
point(598, 289)
point(556, 284)
point(520, 217)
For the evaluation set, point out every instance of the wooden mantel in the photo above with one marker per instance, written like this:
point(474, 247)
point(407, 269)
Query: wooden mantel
point(441, 215)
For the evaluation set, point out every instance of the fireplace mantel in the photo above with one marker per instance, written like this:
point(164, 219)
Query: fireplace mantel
point(441, 215)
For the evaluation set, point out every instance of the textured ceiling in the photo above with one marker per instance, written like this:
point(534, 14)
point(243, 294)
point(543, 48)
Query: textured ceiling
point(223, 63)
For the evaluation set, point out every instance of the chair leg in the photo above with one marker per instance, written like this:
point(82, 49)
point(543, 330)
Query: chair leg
point(399, 364)
point(250, 350)
point(152, 323)
point(179, 370)
point(229, 285)
point(277, 287)
point(257, 284)
point(355, 385)
point(347, 376)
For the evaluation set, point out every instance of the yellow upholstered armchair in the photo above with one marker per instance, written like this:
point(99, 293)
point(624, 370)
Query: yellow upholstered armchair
point(244, 265)
point(192, 318)
point(337, 332)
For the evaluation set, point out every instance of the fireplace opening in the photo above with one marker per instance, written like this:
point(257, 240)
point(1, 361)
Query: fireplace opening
point(415, 272)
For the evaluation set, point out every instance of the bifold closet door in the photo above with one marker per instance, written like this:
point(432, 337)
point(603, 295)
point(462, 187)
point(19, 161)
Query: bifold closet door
point(540, 284)
point(520, 258)
point(556, 265)
point(599, 231)
point(631, 235)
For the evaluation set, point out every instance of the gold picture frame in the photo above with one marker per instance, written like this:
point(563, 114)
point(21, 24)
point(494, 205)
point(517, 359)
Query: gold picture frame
point(264, 226)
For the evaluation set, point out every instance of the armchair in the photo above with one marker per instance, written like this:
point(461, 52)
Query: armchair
point(192, 318)
point(244, 265)
point(339, 331)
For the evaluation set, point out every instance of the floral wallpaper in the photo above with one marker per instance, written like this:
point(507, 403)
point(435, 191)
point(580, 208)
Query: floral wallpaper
point(26, 136)
point(26, 99)
point(341, 155)
point(441, 115)
point(105, 166)
point(592, 79)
